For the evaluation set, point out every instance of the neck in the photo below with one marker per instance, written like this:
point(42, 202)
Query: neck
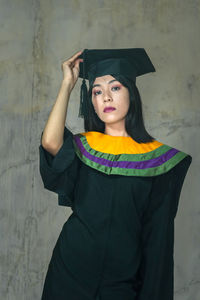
point(115, 130)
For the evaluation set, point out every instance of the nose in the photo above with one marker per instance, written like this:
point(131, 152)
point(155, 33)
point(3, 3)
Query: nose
point(107, 97)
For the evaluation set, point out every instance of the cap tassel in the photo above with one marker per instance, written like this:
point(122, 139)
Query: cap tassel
point(83, 110)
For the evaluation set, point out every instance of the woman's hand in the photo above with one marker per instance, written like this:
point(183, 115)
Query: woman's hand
point(71, 69)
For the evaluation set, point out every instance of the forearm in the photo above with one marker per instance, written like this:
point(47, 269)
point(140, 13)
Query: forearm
point(54, 129)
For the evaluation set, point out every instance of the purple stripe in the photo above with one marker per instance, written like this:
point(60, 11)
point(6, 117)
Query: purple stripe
point(154, 162)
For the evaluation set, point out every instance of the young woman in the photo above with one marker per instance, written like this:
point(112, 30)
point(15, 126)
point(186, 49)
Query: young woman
point(122, 184)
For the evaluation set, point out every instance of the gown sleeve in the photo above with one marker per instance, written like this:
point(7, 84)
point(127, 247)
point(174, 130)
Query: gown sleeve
point(59, 173)
point(156, 271)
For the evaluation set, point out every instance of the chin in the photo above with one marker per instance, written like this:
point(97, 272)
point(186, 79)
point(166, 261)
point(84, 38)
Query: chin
point(112, 119)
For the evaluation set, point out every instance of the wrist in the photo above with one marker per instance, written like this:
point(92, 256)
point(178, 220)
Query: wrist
point(67, 85)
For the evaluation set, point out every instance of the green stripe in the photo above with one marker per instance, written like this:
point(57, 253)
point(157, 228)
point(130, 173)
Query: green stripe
point(165, 167)
point(125, 157)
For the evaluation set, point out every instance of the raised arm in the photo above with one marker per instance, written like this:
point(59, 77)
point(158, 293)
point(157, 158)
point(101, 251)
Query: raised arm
point(58, 164)
point(52, 137)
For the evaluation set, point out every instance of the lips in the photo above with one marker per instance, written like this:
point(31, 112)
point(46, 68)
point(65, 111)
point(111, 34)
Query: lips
point(109, 108)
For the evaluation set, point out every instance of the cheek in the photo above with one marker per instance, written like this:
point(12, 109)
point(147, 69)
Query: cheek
point(127, 100)
point(124, 102)
point(93, 100)
point(95, 103)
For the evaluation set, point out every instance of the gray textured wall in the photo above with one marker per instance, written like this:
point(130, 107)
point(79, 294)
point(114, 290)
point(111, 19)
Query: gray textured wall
point(36, 37)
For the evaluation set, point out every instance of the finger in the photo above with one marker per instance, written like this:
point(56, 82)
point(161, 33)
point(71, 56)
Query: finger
point(73, 57)
point(78, 60)
point(72, 64)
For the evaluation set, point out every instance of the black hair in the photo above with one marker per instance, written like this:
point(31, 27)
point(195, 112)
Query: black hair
point(134, 122)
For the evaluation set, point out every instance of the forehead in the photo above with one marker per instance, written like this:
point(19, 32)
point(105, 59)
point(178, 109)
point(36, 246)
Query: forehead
point(103, 79)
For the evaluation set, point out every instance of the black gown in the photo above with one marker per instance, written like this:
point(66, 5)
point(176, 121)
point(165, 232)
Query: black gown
point(118, 243)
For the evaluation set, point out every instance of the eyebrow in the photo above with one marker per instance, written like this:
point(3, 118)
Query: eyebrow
point(100, 84)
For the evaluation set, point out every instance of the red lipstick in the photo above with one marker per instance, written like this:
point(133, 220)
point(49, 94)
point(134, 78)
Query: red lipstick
point(109, 109)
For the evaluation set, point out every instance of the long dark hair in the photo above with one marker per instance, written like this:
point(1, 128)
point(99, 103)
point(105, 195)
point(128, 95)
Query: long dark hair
point(134, 122)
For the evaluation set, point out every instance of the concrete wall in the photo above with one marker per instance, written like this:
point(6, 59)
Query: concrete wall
point(36, 37)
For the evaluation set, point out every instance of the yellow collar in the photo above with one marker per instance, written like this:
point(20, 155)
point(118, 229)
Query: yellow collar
point(118, 144)
point(123, 156)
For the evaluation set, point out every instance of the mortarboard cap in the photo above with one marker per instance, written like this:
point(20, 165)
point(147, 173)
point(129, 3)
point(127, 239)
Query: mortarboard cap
point(130, 62)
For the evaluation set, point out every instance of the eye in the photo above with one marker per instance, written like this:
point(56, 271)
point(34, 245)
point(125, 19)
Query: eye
point(115, 88)
point(95, 93)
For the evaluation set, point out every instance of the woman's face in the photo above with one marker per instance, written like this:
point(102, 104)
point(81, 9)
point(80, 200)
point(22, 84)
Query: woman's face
point(106, 92)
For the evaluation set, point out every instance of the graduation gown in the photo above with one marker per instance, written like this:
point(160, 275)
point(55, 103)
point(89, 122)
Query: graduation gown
point(118, 243)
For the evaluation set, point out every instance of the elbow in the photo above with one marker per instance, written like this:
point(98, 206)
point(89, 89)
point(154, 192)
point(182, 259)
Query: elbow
point(51, 148)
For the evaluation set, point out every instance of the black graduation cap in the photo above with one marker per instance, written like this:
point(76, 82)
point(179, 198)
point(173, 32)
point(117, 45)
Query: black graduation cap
point(130, 62)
